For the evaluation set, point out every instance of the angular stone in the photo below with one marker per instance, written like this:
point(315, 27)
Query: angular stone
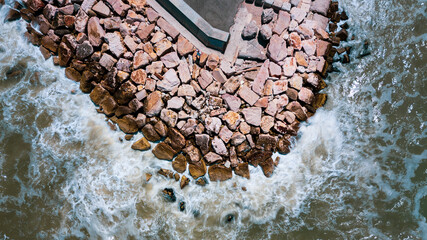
point(107, 61)
point(232, 101)
point(184, 182)
point(282, 22)
point(306, 95)
point(184, 72)
point(142, 144)
point(153, 104)
point(231, 85)
point(163, 151)
point(87, 5)
point(309, 47)
point(295, 40)
point(162, 47)
point(202, 140)
point(108, 105)
point(257, 156)
point(205, 78)
point(212, 157)
point(168, 28)
point(267, 167)
point(139, 77)
point(320, 6)
point(250, 31)
point(267, 15)
point(265, 32)
point(199, 102)
point(189, 127)
point(280, 86)
point(169, 82)
point(179, 164)
point(298, 14)
point(150, 133)
point(141, 59)
point(197, 169)
point(212, 61)
point(128, 124)
point(95, 32)
point(237, 138)
point(115, 44)
point(170, 60)
point(219, 146)
point(277, 48)
point(213, 124)
point(84, 50)
point(248, 95)
point(242, 170)
point(176, 103)
point(275, 70)
point(305, 31)
point(296, 108)
point(169, 117)
point(289, 66)
point(258, 84)
point(186, 90)
point(123, 65)
point(119, 7)
point(193, 154)
point(220, 173)
point(219, 76)
point(225, 134)
point(252, 115)
point(232, 119)
point(267, 122)
point(296, 82)
point(101, 9)
point(273, 107)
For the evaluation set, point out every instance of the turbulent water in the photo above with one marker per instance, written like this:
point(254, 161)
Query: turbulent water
point(357, 169)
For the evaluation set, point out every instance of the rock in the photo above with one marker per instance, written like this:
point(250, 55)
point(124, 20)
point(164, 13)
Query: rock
point(153, 104)
point(193, 154)
point(169, 195)
point(267, 142)
point(199, 102)
point(225, 134)
point(265, 32)
point(115, 44)
point(237, 139)
point(301, 59)
point(219, 146)
point(150, 133)
point(212, 157)
point(184, 47)
point(283, 146)
point(184, 72)
point(169, 117)
point(48, 43)
point(130, 43)
point(205, 78)
point(275, 71)
point(84, 50)
point(232, 101)
point(282, 22)
point(267, 122)
point(231, 85)
point(295, 40)
point(184, 182)
point(259, 82)
point(119, 7)
point(165, 172)
point(219, 173)
point(296, 108)
point(219, 76)
point(170, 60)
point(289, 66)
point(128, 124)
point(98, 94)
point(277, 48)
point(108, 105)
point(35, 5)
point(267, 167)
point(140, 59)
point(320, 6)
point(202, 140)
point(95, 32)
point(212, 61)
point(309, 47)
point(267, 15)
point(139, 77)
point(162, 47)
point(213, 125)
point(107, 61)
point(298, 14)
point(242, 170)
point(163, 151)
point(177, 140)
point(176, 103)
point(257, 156)
point(186, 90)
point(322, 48)
point(197, 169)
point(280, 86)
point(248, 95)
point(101, 9)
point(232, 119)
point(142, 144)
point(123, 65)
point(296, 82)
point(252, 115)
point(170, 81)
point(125, 93)
point(168, 28)
point(306, 95)
point(250, 30)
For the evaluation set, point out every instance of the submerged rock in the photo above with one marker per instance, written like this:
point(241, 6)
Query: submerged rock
point(169, 194)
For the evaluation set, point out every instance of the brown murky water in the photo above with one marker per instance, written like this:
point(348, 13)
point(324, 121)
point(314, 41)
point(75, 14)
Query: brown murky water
point(357, 170)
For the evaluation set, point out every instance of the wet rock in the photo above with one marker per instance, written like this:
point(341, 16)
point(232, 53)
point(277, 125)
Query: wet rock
point(282, 22)
point(256, 156)
point(176, 138)
point(169, 195)
point(108, 105)
point(166, 173)
point(277, 48)
point(184, 182)
point(296, 108)
point(163, 151)
point(153, 104)
point(252, 115)
point(201, 182)
point(267, 15)
point(142, 144)
point(197, 169)
point(84, 50)
point(128, 124)
point(219, 146)
point(150, 133)
point(267, 142)
point(219, 173)
point(35, 5)
point(212, 157)
point(125, 93)
point(179, 164)
point(161, 128)
point(267, 167)
point(242, 170)
point(250, 31)
point(283, 146)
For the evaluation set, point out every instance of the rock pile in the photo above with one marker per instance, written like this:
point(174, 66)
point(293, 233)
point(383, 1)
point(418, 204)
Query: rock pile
point(209, 116)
